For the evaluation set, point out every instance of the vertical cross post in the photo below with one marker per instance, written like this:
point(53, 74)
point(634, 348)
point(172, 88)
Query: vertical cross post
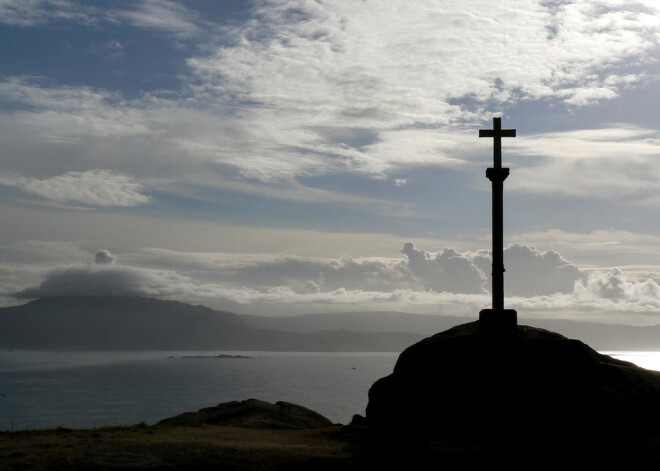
point(497, 317)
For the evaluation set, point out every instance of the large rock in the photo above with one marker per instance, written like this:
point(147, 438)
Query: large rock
point(254, 414)
point(526, 389)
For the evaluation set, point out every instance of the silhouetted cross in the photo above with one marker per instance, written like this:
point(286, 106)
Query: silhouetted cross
point(497, 133)
point(498, 316)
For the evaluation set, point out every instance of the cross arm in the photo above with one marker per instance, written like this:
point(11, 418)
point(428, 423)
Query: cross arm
point(497, 133)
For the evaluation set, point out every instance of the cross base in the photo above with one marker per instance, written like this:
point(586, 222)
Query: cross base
point(498, 320)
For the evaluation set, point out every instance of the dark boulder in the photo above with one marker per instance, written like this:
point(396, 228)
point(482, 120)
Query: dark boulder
point(528, 389)
point(253, 413)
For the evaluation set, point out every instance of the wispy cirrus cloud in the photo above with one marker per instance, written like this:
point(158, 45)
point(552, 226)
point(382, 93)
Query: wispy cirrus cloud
point(92, 188)
point(28, 13)
point(591, 247)
point(158, 15)
point(615, 162)
point(162, 15)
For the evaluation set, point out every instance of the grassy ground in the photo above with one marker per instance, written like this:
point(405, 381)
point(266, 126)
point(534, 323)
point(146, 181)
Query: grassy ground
point(173, 448)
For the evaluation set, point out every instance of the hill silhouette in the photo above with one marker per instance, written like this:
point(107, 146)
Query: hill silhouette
point(527, 397)
point(138, 323)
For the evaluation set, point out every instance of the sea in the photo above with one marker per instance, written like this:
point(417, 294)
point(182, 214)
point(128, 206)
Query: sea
point(81, 389)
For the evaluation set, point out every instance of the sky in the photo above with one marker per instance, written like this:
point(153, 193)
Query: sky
point(281, 157)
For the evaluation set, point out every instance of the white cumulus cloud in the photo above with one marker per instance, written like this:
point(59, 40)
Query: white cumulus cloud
point(532, 272)
point(447, 270)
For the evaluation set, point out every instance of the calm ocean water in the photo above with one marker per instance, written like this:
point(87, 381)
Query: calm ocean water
point(93, 389)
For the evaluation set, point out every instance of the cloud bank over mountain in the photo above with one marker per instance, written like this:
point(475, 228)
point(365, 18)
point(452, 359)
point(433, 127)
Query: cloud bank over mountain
point(447, 281)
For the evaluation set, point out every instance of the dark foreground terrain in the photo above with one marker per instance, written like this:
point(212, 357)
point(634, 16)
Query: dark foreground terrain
point(174, 448)
point(228, 448)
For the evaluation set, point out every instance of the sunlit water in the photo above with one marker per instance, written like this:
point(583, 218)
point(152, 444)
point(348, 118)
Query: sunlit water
point(648, 360)
point(94, 389)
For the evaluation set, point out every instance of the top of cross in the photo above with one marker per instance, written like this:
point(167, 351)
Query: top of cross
point(497, 133)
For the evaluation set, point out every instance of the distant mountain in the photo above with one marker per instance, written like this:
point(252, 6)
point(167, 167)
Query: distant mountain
point(135, 323)
point(597, 335)
point(370, 321)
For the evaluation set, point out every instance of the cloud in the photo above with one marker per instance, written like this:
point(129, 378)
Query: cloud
point(112, 49)
point(613, 285)
point(28, 13)
point(531, 272)
point(298, 68)
point(104, 280)
point(162, 15)
point(604, 295)
point(610, 163)
point(93, 188)
point(67, 114)
point(351, 61)
point(446, 270)
point(590, 95)
point(301, 273)
point(590, 248)
point(104, 257)
point(303, 89)
point(114, 280)
point(394, 284)
point(601, 297)
point(263, 278)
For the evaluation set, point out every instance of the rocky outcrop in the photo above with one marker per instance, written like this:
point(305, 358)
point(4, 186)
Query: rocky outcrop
point(253, 413)
point(528, 389)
